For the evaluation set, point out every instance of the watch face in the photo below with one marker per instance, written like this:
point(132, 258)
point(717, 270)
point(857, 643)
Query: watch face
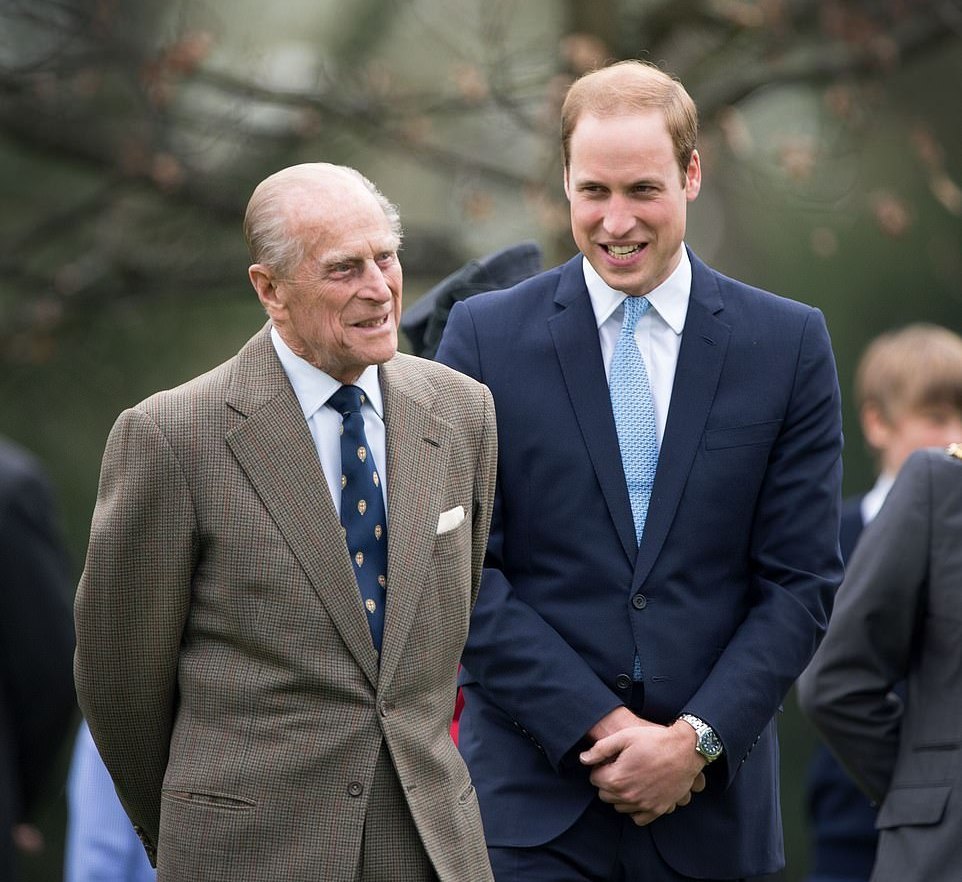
point(710, 744)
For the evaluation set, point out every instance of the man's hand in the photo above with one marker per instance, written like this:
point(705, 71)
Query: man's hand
point(645, 770)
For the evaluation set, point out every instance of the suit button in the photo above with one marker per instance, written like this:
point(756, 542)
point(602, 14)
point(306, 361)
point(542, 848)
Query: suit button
point(639, 601)
point(623, 682)
point(383, 708)
point(355, 788)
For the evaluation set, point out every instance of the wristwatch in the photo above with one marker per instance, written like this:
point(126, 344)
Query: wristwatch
point(709, 744)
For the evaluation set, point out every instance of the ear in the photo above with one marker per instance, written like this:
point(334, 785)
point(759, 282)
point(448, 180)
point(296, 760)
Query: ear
point(567, 183)
point(875, 428)
point(267, 291)
point(693, 177)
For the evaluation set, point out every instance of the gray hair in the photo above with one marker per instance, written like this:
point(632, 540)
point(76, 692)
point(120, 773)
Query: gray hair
point(269, 241)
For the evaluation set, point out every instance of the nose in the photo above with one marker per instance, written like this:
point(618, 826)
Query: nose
point(619, 219)
point(374, 283)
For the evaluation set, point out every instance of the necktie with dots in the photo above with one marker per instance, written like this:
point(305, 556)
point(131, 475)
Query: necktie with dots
point(362, 508)
point(634, 411)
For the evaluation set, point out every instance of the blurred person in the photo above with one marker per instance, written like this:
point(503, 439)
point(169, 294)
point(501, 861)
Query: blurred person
point(663, 552)
point(908, 391)
point(898, 619)
point(36, 647)
point(269, 687)
point(101, 844)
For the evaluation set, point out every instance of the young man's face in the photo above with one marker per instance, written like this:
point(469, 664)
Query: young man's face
point(898, 436)
point(629, 199)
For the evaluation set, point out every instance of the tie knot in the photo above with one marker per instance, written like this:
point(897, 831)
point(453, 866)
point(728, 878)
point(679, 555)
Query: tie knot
point(347, 399)
point(635, 308)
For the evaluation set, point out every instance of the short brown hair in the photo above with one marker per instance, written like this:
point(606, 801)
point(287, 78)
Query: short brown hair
point(632, 86)
point(909, 370)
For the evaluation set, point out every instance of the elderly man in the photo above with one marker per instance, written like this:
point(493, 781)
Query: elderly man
point(283, 560)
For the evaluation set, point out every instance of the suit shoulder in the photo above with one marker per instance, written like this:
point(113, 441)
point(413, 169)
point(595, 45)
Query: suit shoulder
point(522, 296)
point(413, 373)
point(184, 405)
point(736, 293)
point(211, 384)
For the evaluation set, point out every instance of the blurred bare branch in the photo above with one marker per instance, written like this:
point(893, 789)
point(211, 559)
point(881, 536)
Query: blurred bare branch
point(163, 133)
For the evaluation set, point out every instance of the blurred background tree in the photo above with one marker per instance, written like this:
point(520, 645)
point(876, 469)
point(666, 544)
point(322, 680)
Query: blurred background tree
point(132, 133)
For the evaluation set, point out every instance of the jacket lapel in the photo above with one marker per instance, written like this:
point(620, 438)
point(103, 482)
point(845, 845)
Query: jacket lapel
point(273, 445)
point(418, 448)
point(575, 335)
point(704, 345)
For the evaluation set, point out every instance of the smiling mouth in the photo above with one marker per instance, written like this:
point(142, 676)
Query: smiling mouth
point(622, 252)
point(372, 323)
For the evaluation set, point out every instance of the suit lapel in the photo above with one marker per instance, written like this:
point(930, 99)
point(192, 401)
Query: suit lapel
point(418, 447)
point(575, 334)
point(703, 348)
point(275, 448)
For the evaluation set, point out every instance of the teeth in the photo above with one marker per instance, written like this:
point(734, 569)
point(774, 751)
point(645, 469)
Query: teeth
point(622, 250)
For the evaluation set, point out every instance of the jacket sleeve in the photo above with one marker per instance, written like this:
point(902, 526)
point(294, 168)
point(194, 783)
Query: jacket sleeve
point(130, 611)
point(794, 561)
point(847, 689)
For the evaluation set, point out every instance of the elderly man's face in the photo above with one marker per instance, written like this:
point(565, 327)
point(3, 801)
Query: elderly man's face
point(340, 308)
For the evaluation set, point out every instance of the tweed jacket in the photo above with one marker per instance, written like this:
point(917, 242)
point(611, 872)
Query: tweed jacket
point(898, 618)
point(224, 661)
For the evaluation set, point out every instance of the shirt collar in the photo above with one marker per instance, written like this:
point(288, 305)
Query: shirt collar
point(872, 501)
point(669, 299)
point(313, 387)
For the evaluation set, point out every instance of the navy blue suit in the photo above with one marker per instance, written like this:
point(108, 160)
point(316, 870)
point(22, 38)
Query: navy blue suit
point(724, 602)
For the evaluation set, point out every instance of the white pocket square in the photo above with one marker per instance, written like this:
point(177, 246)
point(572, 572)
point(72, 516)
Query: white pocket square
point(450, 519)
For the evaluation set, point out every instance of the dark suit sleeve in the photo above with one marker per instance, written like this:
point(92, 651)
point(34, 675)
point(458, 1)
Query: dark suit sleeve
point(795, 566)
point(847, 688)
point(525, 665)
point(36, 630)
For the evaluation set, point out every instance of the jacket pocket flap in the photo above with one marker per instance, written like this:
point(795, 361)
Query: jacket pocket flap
point(739, 436)
point(913, 806)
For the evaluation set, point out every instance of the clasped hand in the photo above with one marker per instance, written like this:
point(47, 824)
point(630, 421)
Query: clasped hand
point(642, 768)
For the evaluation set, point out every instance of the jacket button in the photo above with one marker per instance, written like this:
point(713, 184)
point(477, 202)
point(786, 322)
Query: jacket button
point(355, 788)
point(623, 682)
point(639, 601)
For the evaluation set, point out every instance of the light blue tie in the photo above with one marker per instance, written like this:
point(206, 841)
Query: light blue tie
point(634, 411)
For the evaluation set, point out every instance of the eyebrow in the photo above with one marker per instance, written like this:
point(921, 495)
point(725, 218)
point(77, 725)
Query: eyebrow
point(391, 244)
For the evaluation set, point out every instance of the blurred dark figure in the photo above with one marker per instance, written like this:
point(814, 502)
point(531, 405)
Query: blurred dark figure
point(424, 322)
point(36, 647)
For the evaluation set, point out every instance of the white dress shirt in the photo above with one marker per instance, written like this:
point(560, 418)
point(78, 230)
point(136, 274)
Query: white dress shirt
point(313, 388)
point(658, 333)
point(872, 501)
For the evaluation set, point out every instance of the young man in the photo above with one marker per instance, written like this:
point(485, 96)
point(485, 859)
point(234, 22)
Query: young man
point(664, 545)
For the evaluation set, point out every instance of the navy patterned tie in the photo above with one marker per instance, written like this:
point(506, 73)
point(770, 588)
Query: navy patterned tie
point(634, 411)
point(362, 508)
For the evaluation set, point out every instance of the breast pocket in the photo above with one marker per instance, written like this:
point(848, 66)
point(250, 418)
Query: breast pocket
point(753, 434)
